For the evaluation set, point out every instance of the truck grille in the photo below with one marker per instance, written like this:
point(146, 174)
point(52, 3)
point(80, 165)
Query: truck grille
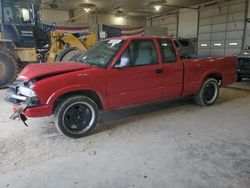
point(12, 95)
point(244, 63)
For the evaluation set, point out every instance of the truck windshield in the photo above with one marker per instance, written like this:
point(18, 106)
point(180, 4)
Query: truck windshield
point(101, 53)
point(17, 12)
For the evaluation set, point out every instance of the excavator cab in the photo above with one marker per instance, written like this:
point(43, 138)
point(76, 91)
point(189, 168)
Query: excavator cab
point(18, 22)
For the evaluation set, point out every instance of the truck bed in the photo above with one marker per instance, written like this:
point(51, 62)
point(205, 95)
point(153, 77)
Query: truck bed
point(196, 69)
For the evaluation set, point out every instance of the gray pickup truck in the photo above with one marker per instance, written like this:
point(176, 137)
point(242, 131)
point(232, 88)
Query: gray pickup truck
point(243, 65)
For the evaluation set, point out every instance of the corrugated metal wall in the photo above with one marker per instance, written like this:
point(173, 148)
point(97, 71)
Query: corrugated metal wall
point(114, 20)
point(168, 22)
point(220, 31)
point(110, 19)
point(221, 28)
point(188, 23)
point(247, 31)
point(52, 16)
point(155, 31)
point(188, 20)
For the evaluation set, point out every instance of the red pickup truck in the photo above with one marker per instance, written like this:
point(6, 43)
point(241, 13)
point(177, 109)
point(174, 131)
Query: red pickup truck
point(116, 73)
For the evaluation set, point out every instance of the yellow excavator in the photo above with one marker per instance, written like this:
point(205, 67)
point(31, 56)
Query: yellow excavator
point(23, 41)
point(64, 46)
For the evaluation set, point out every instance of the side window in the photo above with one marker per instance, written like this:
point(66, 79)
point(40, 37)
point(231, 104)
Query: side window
point(139, 52)
point(167, 51)
point(176, 43)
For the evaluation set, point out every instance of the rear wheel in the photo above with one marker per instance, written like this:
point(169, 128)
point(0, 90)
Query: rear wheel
point(209, 93)
point(76, 116)
point(8, 67)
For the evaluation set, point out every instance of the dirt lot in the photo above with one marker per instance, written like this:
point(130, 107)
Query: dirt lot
point(172, 144)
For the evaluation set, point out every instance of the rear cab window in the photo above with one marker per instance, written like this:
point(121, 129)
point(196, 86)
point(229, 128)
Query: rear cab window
point(184, 42)
point(167, 51)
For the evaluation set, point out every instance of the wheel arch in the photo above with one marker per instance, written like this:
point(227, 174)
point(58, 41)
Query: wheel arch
point(86, 92)
point(216, 75)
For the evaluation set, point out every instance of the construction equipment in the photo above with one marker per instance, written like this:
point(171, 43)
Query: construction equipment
point(22, 40)
point(64, 46)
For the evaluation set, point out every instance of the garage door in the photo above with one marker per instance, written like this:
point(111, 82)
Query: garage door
point(221, 28)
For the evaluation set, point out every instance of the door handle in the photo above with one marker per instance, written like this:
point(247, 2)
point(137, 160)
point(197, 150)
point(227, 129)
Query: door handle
point(159, 71)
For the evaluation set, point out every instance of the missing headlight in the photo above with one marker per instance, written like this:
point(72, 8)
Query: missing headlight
point(34, 102)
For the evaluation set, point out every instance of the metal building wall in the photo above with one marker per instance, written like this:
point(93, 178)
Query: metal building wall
point(247, 30)
point(221, 28)
point(188, 23)
point(109, 19)
point(155, 31)
point(169, 22)
point(114, 20)
point(52, 16)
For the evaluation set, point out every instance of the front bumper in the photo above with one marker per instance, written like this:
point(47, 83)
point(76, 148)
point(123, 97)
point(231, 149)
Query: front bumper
point(21, 108)
point(26, 106)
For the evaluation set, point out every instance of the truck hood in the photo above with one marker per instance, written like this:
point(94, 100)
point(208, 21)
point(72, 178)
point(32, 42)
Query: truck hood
point(48, 69)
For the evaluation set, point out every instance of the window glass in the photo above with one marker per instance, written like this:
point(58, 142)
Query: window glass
point(139, 52)
point(176, 43)
point(167, 51)
point(184, 42)
point(17, 12)
point(101, 53)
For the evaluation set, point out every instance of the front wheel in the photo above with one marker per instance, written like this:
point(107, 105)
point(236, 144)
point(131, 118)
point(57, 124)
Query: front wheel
point(8, 67)
point(76, 116)
point(208, 94)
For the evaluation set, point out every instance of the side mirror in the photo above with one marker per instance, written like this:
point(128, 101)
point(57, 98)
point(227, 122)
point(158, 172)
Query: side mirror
point(118, 66)
point(122, 63)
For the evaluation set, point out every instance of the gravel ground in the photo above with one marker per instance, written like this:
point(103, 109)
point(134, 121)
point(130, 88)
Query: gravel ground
point(172, 144)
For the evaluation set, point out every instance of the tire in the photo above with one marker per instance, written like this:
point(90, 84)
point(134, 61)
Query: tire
point(208, 94)
point(76, 116)
point(8, 67)
point(69, 54)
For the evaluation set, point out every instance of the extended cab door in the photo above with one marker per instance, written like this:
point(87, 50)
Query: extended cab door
point(173, 69)
point(136, 77)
